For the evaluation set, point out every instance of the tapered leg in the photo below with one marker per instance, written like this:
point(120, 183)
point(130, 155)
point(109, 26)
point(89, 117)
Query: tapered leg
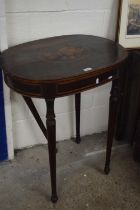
point(77, 110)
point(51, 127)
point(123, 105)
point(113, 109)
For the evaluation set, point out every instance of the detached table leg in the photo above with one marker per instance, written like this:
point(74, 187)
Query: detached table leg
point(113, 109)
point(77, 113)
point(51, 128)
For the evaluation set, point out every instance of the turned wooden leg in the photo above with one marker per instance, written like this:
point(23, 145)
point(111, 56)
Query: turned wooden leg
point(77, 110)
point(123, 104)
point(51, 128)
point(113, 109)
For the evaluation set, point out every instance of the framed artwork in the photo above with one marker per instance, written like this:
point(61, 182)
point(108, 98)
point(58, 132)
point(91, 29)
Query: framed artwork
point(129, 24)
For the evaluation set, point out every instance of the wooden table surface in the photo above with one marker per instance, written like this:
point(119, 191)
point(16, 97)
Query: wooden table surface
point(61, 57)
point(61, 66)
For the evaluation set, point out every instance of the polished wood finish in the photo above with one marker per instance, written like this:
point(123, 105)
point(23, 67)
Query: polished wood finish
point(77, 111)
point(128, 127)
point(118, 20)
point(51, 127)
point(114, 101)
point(122, 117)
point(61, 66)
point(55, 66)
point(136, 141)
point(134, 94)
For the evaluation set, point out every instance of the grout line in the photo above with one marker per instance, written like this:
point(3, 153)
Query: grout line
point(85, 158)
point(56, 11)
point(104, 150)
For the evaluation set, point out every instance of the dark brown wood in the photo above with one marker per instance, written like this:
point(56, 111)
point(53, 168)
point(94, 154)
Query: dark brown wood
point(131, 111)
point(34, 111)
point(122, 117)
point(136, 105)
point(56, 66)
point(118, 20)
point(77, 112)
point(121, 129)
point(51, 127)
point(61, 66)
point(136, 141)
point(113, 109)
point(134, 95)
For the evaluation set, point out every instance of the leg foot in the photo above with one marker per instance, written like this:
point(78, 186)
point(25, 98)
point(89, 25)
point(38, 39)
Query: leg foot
point(78, 140)
point(107, 169)
point(54, 198)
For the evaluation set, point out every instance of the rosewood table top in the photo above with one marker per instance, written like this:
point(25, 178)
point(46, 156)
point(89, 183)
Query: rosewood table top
point(59, 61)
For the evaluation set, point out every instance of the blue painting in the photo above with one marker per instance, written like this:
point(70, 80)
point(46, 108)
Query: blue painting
point(133, 27)
point(3, 139)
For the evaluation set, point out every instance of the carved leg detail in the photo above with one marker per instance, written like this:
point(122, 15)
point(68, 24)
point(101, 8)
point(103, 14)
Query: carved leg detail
point(77, 110)
point(113, 109)
point(51, 127)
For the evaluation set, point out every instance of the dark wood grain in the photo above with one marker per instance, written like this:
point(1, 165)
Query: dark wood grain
point(57, 62)
point(128, 126)
point(77, 113)
point(113, 111)
point(51, 127)
point(118, 20)
point(55, 67)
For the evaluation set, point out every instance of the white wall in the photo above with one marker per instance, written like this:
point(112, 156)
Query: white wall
point(34, 19)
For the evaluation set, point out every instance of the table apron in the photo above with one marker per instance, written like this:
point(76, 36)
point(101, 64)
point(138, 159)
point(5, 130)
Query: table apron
point(53, 90)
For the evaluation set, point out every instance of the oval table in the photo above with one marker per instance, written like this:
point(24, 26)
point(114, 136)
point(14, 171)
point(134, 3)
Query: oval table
point(60, 66)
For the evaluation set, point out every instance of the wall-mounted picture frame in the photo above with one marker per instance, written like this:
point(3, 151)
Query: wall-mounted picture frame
point(129, 23)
